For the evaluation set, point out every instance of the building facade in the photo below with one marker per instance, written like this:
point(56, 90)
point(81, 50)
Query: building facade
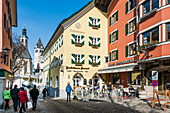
point(138, 39)
point(77, 50)
point(8, 18)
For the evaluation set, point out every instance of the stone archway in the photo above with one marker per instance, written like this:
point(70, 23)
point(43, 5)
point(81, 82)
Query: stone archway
point(97, 80)
point(78, 80)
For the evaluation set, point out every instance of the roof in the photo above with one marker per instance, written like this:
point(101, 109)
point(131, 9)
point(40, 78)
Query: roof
point(25, 54)
point(39, 44)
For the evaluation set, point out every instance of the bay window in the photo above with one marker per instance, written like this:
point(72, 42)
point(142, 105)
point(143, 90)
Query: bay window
point(151, 36)
point(150, 5)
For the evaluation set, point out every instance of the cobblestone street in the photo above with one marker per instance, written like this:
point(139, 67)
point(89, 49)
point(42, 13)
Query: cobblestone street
point(61, 106)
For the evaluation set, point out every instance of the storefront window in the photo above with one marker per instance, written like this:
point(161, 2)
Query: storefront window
point(116, 78)
point(134, 78)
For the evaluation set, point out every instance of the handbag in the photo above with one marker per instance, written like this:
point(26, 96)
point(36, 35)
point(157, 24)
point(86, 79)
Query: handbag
point(29, 104)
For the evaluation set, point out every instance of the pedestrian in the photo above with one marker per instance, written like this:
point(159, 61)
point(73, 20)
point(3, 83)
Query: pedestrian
point(44, 92)
point(7, 96)
point(68, 90)
point(34, 95)
point(23, 99)
point(109, 89)
point(14, 94)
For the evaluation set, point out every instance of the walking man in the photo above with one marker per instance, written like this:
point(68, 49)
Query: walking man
point(44, 93)
point(34, 95)
point(15, 97)
point(6, 95)
point(68, 90)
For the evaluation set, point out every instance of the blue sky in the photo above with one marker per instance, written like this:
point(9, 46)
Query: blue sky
point(41, 18)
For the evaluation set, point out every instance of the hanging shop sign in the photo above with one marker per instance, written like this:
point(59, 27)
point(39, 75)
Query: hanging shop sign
point(127, 61)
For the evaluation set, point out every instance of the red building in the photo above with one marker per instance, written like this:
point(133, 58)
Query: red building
point(138, 41)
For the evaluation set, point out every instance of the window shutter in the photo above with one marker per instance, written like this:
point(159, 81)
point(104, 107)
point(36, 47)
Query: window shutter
point(90, 21)
point(90, 59)
point(116, 54)
point(127, 51)
point(116, 15)
point(82, 39)
point(82, 59)
point(110, 39)
point(127, 28)
point(110, 20)
point(110, 56)
point(127, 7)
point(90, 41)
point(98, 23)
point(73, 58)
point(117, 35)
point(73, 38)
point(98, 40)
point(98, 60)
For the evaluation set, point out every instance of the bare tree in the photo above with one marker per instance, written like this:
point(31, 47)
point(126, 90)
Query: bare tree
point(17, 54)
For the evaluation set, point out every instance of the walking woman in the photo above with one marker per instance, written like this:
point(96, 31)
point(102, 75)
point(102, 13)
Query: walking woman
point(23, 99)
point(6, 95)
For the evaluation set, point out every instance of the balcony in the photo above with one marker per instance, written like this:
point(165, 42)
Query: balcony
point(150, 46)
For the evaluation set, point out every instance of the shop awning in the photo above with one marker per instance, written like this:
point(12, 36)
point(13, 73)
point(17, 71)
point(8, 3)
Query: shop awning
point(117, 69)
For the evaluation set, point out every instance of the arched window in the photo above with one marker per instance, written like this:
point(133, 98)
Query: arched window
point(56, 82)
point(51, 82)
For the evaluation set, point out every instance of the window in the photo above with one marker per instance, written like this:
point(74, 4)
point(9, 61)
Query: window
point(114, 55)
point(132, 26)
point(25, 68)
point(151, 36)
point(114, 18)
point(94, 22)
point(78, 39)
point(56, 60)
point(94, 59)
point(36, 51)
point(106, 59)
point(5, 23)
point(150, 5)
point(6, 60)
point(168, 31)
point(168, 1)
point(130, 4)
point(131, 49)
point(52, 65)
point(77, 58)
point(114, 36)
point(94, 41)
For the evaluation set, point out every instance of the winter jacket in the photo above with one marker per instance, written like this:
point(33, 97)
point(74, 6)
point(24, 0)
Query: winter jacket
point(69, 89)
point(23, 96)
point(6, 94)
point(34, 93)
point(14, 94)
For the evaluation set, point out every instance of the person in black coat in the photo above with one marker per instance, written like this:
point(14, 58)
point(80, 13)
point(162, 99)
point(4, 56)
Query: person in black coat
point(34, 95)
point(14, 94)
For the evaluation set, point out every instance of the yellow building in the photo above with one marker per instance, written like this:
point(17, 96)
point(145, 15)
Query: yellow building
point(77, 49)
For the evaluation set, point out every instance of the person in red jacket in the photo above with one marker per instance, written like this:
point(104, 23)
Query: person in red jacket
point(23, 99)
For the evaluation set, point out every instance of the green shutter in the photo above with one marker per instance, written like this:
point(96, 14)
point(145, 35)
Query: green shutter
point(127, 51)
point(110, 20)
point(110, 39)
point(90, 41)
point(82, 39)
point(99, 60)
point(127, 28)
point(116, 54)
point(98, 39)
point(73, 59)
point(117, 35)
point(73, 38)
point(110, 56)
point(127, 7)
point(82, 56)
point(90, 21)
point(116, 15)
point(99, 23)
point(90, 59)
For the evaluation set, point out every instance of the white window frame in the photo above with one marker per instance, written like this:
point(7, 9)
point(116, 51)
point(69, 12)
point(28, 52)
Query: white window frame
point(94, 58)
point(93, 42)
point(94, 19)
point(77, 37)
point(112, 36)
point(111, 18)
point(77, 60)
point(129, 26)
point(129, 49)
point(114, 50)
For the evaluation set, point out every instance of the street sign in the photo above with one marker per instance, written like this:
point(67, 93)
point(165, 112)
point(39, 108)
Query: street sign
point(154, 75)
point(154, 83)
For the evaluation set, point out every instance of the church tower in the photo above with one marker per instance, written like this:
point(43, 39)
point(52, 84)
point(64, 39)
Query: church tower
point(38, 59)
point(24, 38)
